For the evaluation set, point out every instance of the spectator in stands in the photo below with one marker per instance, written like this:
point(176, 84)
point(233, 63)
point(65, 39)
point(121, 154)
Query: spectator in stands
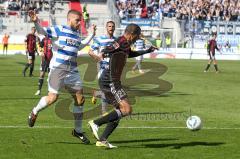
point(86, 17)
point(158, 42)
point(227, 46)
point(5, 43)
point(168, 41)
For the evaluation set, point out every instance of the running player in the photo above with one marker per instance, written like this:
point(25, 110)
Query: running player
point(111, 86)
point(99, 44)
point(63, 68)
point(46, 45)
point(31, 48)
point(211, 46)
point(139, 45)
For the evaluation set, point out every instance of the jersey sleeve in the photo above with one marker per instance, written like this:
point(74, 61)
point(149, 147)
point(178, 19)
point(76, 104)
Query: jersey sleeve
point(52, 32)
point(96, 44)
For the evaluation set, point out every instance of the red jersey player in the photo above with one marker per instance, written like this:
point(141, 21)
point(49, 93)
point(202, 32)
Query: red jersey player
point(46, 45)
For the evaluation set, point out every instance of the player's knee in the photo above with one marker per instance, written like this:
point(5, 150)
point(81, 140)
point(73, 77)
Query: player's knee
point(126, 110)
point(52, 99)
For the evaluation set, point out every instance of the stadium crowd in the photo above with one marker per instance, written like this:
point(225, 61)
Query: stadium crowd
point(226, 10)
point(13, 7)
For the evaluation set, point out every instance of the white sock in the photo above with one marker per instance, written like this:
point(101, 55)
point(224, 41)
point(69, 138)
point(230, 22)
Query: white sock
point(104, 106)
point(78, 115)
point(40, 106)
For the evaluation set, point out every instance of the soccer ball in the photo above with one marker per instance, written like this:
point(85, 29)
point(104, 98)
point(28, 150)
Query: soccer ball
point(194, 123)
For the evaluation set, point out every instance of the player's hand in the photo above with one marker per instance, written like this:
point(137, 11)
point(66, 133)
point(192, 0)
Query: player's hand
point(94, 28)
point(153, 48)
point(32, 15)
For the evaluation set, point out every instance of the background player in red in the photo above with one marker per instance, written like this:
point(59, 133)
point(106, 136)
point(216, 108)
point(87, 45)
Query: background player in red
point(212, 45)
point(46, 45)
point(31, 48)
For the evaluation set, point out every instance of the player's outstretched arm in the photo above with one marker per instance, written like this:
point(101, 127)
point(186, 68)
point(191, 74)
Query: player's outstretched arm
point(86, 41)
point(34, 19)
point(142, 52)
point(94, 56)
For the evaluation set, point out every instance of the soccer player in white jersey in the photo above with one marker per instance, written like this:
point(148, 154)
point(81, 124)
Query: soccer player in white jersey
point(99, 44)
point(139, 45)
point(63, 67)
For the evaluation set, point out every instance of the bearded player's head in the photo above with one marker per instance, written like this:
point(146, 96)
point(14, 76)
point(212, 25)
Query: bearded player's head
point(74, 19)
point(110, 26)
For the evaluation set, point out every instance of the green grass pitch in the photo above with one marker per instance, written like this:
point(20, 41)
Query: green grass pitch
point(213, 97)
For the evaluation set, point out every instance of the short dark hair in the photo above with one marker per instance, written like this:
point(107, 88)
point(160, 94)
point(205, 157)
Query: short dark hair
point(72, 11)
point(133, 29)
point(110, 22)
point(214, 33)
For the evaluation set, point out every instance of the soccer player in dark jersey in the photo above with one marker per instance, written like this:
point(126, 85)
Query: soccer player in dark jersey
point(211, 46)
point(31, 48)
point(110, 83)
point(46, 45)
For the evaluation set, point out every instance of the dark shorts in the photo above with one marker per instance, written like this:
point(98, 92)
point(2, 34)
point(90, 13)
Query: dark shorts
point(211, 57)
point(31, 56)
point(44, 66)
point(113, 91)
point(5, 45)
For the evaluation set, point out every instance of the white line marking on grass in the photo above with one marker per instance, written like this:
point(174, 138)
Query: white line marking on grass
point(126, 127)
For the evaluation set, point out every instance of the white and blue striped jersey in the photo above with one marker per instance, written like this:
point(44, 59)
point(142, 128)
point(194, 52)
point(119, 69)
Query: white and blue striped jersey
point(66, 44)
point(139, 45)
point(98, 45)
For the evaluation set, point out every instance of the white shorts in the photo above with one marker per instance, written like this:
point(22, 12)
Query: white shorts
point(60, 79)
point(139, 58)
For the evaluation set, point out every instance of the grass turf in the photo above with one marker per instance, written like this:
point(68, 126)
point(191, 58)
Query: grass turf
point(213, 97)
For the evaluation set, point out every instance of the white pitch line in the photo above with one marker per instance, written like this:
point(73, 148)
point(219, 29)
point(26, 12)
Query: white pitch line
point(127, 127)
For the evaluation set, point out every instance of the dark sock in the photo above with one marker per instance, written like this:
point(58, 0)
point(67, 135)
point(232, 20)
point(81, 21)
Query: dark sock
point(109, 129)
point(26, 67)
point(31, 69)
point(40, 83)
point(207, 67)
point(112, 116)
point(216, 68)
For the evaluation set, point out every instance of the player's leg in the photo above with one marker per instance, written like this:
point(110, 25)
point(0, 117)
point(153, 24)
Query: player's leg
point(42, 104)
point(135, 66)
point(78, 116)
point(106, 133)
point(43, 70)
point(104, 103)
point(215, 64)
point(125, 109)
point(27, 64)
point(140, 66)
point(74, 86)
point(6, 49)
point(55, 82)
point(3, 49)
point(32, 65)
point(118, 98)
point(209, 63)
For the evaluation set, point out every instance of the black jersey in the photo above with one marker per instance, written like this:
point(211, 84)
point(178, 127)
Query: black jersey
point(118, 57)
